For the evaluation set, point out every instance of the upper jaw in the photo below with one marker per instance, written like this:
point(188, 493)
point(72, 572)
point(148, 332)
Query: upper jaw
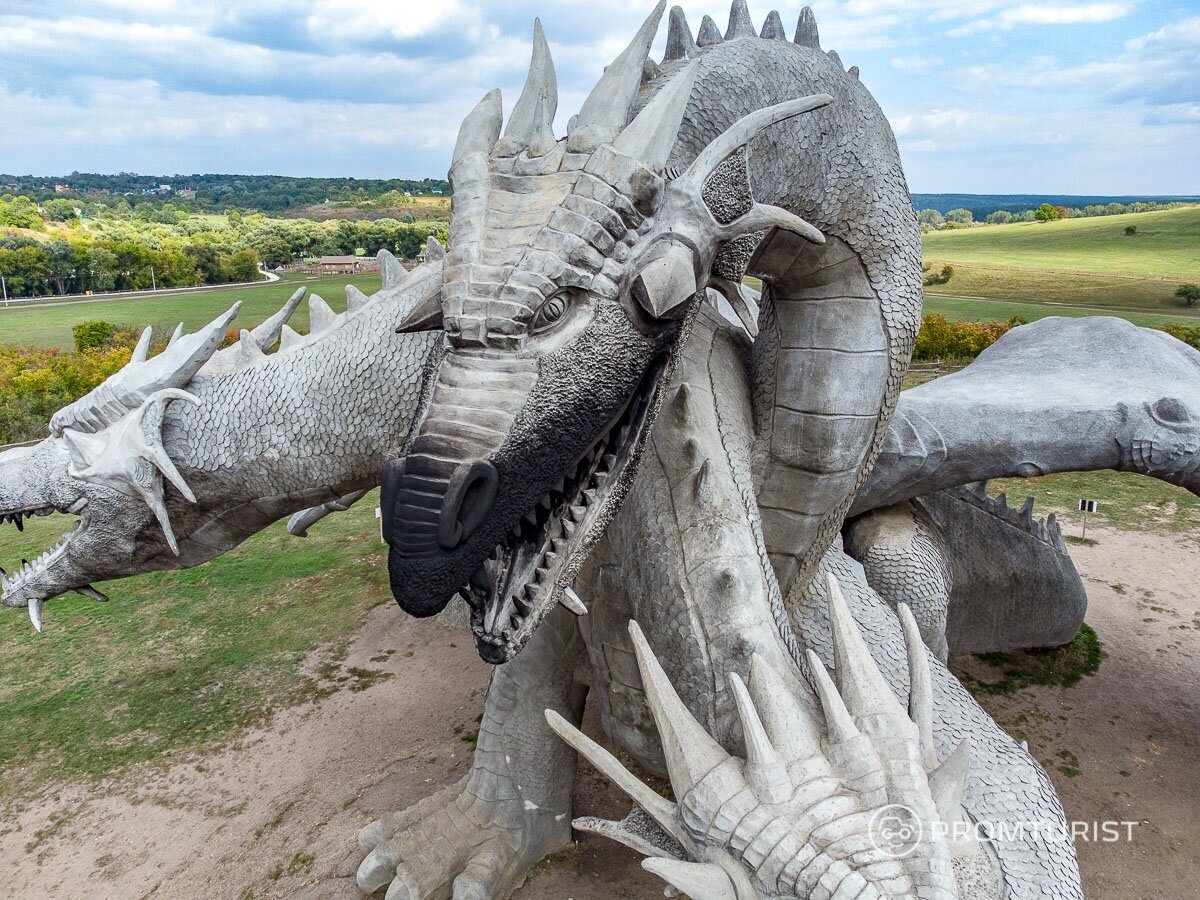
point(531, 569)
point(44, 577)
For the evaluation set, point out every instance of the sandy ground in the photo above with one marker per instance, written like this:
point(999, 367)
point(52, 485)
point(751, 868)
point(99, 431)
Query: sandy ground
point(275, 813)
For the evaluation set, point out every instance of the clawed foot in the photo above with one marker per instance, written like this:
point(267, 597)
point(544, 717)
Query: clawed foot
point(455, 844)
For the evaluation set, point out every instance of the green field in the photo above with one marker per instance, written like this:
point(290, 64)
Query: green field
point(976, 309)
point(49, 324)
point(1087, 263)
point(180, 660)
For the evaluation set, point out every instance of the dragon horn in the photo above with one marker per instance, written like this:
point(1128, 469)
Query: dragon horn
point(142, 350)
point(480, 129)
point(794, 730)
point(709, 33)
point(680, 43)
point(860, 683)
point(650, 137)
point(772, 29)
point(765, 770)
point(531, 124)
point(806, 30)
point(920, 685)
point(740, 23)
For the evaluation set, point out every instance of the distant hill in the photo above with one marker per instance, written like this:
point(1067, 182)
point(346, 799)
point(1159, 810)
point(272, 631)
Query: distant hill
point(982, 204)
point(268, 193)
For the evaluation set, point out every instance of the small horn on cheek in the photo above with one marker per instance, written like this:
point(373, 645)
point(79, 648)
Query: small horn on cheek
point(664, 285)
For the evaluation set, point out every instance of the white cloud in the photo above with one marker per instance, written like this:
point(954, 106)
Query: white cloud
point(1046, 14)
point(916, 65)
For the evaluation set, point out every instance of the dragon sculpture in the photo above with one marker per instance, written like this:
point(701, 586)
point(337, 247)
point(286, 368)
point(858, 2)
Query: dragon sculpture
point(579, 402)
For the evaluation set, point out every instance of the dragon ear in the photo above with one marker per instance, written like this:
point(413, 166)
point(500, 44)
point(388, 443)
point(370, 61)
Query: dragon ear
point(129, 457)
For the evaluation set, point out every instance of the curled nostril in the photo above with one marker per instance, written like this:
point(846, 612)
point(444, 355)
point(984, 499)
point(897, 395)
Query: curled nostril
point(469, 499)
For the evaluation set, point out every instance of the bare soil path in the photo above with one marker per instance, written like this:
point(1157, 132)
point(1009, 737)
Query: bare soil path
point(275, 813)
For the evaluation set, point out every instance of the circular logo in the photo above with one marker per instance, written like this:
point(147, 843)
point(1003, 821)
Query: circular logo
point(896, 830)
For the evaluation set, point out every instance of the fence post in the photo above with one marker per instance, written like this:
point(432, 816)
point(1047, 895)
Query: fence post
point(4, 285)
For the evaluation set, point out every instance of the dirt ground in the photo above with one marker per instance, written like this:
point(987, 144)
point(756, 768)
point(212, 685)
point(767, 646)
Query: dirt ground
point(275, 813)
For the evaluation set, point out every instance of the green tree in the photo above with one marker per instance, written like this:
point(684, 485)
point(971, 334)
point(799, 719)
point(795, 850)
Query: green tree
point(1000, 217)
point(20, 212)
point(1189, 294)
point(59, 210)
point(242, 266)
point(1046, 213)
point(64, 265)
point(960, 216)
point(930, 217)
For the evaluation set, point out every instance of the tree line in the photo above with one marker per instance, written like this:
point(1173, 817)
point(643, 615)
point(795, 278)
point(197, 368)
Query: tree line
point(933, 220)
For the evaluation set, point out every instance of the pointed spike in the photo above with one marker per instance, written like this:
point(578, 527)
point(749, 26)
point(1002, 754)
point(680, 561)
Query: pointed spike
point(660, 809)
point(948, 781)
point(772, 29)
point(355, 299)
point(619, 832)
point(789, 714)
point(530, 126)
point(682, 404)
point(837, 60)
point(920, 685)
point(838, 721)
point(394, 274)
point(740, 23)
point(650, 137)
point(860, 683)
point(1002, 500)
point(680, 43)
point(320, 316)
point(702, 483)
point(606, 110)
point(853, 72)
point(289, 338)
point(700, 881)
point(92, 594)
point(689, 750)
point(709, 33)
point(175, 335)
point(248, 351)
point(765, 771)
point(806, 30)
point(1026, 512)
point(480, 129)
point(434, 249)
point(35, 613)
point(142, 350)
point(573, 602)
point(267, 334)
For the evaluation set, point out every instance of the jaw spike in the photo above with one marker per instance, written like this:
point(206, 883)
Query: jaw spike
point(680, 43)
point(700, 881)
point(606, 110)
point(355, 299)
point(531, 124)
point(248, 350)
point(175, 335)
point(709, 33)
point(690, 751)
point(434, 249)
point(573, 602)
point(320, 316)
point(806, 30)
point(838, 722)
point(267, 334)
point(35, 614)
point(765, 770)
point(792, 725)
point(920, 685)
point(860, 683)
point(740, 23)
point(660, 809)
point(393, 273)
point(948, 781)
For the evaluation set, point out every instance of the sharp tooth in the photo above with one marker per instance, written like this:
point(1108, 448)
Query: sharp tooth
point(578, 512)
point(547, 503)
point(91, 593)
point(19, 522)
point(571, 601)
point(610, 460)
point(569, 528)
point(600, 479)
point(590, 496)
point(77, 507)
point(530, 518)
point(35, 614)
point(523, 606)
point(540, 575)
point(550, 557)
point(561, 487)
point(559, 545)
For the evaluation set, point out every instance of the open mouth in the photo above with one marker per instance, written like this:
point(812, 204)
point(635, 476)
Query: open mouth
point(532, 568)
point(32, 582)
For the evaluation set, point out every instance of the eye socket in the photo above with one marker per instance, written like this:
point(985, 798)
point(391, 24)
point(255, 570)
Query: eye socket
point(550, 313)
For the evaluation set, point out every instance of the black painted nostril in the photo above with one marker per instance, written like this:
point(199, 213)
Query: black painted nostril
point(468, 500)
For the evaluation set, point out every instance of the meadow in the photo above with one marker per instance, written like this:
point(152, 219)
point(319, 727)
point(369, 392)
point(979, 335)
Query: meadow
point(48, 323)
point(1091, 264)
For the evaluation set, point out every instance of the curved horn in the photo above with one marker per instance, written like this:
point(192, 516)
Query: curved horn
point(531, 125)
point(480, 129)
point(606, 110)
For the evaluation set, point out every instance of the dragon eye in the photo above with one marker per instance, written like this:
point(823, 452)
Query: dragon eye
point(550, 313)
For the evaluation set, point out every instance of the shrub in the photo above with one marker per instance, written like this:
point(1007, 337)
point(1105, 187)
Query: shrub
point(36, 382)
point(92, 335)
point(939, 278)
point(1188, 293)
point(1130, 230)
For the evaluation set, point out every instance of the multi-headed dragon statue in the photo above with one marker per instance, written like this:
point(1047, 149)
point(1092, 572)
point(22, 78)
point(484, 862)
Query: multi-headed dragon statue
point(580, 400)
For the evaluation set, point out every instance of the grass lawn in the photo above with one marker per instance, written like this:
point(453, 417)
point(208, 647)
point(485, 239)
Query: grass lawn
point(179, 660)
point(978, 310)
point(49, 324)
point(1124, 500)
point(1166, 244)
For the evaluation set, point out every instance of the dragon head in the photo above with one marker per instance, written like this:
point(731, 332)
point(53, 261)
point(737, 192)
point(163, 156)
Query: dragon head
point(571, 274)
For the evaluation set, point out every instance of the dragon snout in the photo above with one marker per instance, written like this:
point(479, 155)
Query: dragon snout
point(469, 499)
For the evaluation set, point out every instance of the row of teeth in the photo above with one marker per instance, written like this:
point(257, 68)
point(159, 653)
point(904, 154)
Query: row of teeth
point(560, 518)
point(18, 518)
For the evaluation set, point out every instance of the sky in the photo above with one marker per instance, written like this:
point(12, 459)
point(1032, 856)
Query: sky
point(985, 96)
